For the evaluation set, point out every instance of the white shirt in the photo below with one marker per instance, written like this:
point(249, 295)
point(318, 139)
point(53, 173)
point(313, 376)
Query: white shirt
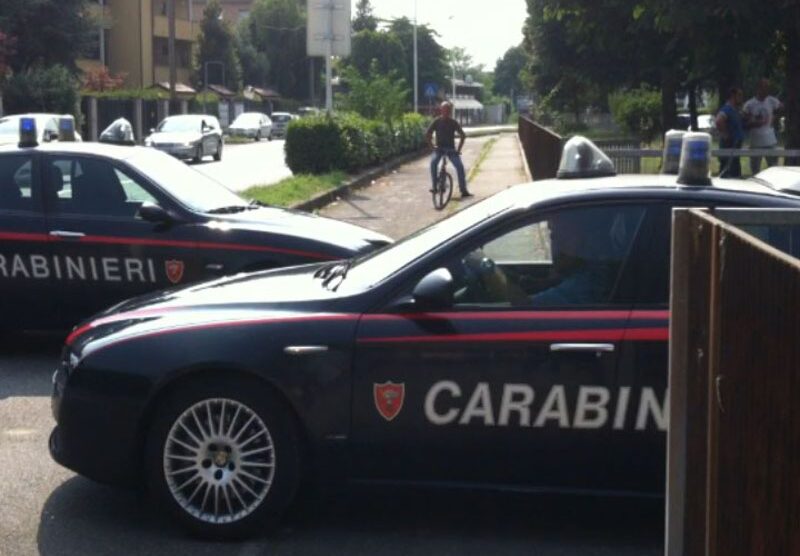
point(762, 111)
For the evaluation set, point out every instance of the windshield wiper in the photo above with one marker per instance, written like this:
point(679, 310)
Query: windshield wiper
point(229, 210)
point(332, 271)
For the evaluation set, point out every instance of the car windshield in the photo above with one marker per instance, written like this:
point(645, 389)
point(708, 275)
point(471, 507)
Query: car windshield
point(193, 189)
point(375, 267)
point(247, 119)
point(181, 123)
point(281, 118)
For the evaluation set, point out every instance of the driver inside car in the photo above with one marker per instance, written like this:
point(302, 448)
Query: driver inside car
point(583, 270)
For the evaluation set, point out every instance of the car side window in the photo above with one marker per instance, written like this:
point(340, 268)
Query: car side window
point(93, 187)
point(16, 183)
point(569, 258)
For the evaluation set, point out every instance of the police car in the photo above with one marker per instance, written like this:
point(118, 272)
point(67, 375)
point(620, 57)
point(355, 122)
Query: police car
point(521, 343)
point(84, 226)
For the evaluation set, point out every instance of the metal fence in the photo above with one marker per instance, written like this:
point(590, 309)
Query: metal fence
point(733, 485)
point(542, 148)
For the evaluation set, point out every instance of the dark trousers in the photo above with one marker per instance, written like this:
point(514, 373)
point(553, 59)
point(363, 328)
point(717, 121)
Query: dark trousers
point(730, 166)
point(455, 160)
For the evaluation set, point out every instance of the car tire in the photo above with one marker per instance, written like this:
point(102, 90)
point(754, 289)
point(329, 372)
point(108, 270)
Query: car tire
point(269, 137)
point(218, 154)
point(230, 482)
point(198, 154)
point(258, 136)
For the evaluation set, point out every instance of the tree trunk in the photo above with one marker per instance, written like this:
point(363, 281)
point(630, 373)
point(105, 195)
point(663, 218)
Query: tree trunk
point(792, 101)
point(692, 89)
point(669, 86)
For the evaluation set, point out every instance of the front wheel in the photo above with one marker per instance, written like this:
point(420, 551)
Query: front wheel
point(223, 458)
point(198, 154)
point(218, 154)
point(443, 190)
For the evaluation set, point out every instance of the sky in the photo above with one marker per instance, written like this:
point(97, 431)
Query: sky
point(485, 28)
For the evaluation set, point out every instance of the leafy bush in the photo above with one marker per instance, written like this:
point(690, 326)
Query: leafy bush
point(348, 142)
point(637, 111)
point(41, 89)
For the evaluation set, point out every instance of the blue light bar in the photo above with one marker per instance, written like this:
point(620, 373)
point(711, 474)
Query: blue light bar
point(27, 132)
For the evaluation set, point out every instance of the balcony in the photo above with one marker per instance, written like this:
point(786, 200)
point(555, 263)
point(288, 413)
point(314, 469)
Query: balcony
point(185, 30)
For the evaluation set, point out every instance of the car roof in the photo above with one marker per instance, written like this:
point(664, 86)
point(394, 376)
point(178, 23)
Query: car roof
point(117, 152)
point(655, 185)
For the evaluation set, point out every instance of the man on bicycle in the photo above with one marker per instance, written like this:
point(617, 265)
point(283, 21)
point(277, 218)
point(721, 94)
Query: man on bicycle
point(445, 128)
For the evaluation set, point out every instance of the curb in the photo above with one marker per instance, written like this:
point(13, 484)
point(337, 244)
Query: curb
point(357, 182)
point(524, 158)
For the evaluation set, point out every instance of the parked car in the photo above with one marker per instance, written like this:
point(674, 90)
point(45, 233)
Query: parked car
point(705, 122)
point(46, 127)
point(86, 225)
point(520, 344)
point(188, 136)
point(280, 122)
point(253, 125)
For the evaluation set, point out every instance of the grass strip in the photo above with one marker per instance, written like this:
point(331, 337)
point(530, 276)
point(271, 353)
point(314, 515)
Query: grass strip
point(485, 150)
point(238, 140)
point(295, 189)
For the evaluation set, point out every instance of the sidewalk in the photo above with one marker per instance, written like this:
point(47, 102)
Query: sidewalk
point(400, 203)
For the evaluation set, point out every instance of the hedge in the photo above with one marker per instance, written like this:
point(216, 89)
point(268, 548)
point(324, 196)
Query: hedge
point(348, 142)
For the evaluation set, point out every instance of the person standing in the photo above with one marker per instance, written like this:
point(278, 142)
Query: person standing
point(759, 115)
point(731, 133)
point(446, 128)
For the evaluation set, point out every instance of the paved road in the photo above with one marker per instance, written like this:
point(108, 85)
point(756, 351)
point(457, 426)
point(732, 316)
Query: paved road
point(247, 164)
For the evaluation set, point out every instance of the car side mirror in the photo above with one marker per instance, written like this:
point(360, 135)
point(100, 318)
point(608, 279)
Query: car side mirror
point(152, 130)
point(150, 212)
point(434, 291)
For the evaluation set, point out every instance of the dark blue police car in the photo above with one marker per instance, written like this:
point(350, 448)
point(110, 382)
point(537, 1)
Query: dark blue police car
point(521, 343)
point(86, 225)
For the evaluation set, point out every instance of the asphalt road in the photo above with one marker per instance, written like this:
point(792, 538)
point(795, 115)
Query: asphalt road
point(247, 164)
point(45, 509)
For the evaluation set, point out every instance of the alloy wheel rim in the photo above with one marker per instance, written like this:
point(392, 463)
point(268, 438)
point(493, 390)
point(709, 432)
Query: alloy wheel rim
point(219, 460)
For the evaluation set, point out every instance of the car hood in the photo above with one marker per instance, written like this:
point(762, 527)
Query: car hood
point(348, 238)
point(242, 299)
point(175, 137)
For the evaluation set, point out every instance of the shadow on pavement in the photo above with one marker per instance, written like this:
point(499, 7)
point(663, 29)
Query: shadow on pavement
point(27, 362)
point(81, 517)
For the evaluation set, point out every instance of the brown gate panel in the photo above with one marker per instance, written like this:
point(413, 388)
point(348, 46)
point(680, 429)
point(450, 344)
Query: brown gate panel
point(734, 434)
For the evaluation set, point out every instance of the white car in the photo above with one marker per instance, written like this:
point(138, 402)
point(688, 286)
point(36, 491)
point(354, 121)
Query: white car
point(280, 122)
point(185, 136)
point(46, 126)
point(253, 125)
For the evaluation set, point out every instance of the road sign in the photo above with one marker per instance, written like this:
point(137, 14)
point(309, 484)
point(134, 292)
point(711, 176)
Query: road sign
point(430, 90)
point(328, 24)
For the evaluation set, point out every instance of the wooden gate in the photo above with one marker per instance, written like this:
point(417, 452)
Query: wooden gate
point(734, 435)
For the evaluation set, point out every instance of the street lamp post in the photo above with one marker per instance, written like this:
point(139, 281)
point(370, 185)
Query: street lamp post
point(205, 79)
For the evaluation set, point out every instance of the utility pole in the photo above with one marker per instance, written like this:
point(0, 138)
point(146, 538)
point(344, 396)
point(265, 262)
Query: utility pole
point(173, 70)
point(416, 71)
point(328, 56)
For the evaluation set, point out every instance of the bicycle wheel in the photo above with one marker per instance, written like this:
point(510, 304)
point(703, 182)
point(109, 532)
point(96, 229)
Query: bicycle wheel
point(443, 190)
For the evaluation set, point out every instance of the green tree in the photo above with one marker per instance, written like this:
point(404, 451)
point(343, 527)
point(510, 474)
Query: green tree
point(432, 59)
point(255, 63)
point(47, 32)
point(41, 89)
point(277, 28)
point(377, 96)
point(217, 43)
point(365, 18)
point(637, 111)
point(381, 46)
point(508, 71)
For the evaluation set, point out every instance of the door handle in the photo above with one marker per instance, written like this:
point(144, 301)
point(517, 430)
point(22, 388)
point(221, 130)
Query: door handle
point(593, 348)
point(304, 350)
point(62, 234)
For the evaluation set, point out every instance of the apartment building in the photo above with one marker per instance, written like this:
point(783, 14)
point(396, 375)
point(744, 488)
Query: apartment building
point(133, 37)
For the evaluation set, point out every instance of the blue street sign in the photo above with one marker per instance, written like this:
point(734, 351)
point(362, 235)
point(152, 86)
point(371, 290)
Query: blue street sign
point(430, 90)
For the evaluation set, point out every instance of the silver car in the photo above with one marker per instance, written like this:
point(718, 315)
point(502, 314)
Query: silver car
point(192, 136)
point(280, 122)
point(253, 125)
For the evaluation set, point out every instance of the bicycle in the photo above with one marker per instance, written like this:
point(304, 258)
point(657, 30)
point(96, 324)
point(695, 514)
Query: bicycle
point(443, 187)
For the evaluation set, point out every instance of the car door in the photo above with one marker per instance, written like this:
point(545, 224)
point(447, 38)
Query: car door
point(26, 262)
point(105, 250)
point(515, 382)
